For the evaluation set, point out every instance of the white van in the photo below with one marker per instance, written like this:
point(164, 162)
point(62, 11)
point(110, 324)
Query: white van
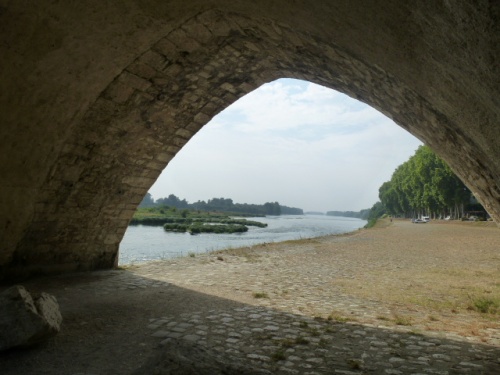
point(426, 218)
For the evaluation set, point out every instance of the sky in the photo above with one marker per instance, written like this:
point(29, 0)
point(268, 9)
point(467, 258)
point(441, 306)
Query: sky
point(294, 142)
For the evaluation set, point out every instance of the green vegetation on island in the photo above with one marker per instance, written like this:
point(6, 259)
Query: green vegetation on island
point(174, 220)
point(222, 205)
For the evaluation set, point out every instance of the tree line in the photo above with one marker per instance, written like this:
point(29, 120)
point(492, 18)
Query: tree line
point(221, 205)
point(426, 186)
point(363, 214)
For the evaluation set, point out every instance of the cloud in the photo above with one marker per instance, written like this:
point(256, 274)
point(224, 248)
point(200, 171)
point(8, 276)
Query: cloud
point(280, 106)
point(294, 142)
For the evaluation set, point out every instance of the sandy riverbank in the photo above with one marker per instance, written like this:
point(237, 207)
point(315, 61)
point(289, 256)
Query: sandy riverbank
point(415, 280)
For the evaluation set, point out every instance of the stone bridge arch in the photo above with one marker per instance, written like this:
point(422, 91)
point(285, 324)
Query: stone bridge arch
point(91, 121)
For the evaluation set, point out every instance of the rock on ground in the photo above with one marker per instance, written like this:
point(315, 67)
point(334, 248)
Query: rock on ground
point(25, 321)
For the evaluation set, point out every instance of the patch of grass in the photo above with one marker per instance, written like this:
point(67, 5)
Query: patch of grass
point(432, 318)
point(191, 254)
point(371, 223)
point(402, 320)
point(323, 343)
point(416, 332)
point(264, 336)
point(485, 305)
point(338, 318)
point(381, 317)
point(288, 343)
point(260, 295)
point(301, 341)
point(355, 364)
point(314, 332)
point(329, 329)
point(278, 355)
point(303, 324)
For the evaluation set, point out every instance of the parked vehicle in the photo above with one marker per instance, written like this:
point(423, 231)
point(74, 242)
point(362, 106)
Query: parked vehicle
point(418, 221)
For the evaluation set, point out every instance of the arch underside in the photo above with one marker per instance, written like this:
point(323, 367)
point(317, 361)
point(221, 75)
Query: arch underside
point(112, 152)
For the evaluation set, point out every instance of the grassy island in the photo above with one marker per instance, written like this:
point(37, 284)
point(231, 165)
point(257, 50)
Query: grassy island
point(191, 221)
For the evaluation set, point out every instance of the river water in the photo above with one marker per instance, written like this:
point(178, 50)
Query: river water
point(144, 243)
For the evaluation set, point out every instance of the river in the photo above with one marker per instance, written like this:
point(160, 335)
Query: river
point(144, 243)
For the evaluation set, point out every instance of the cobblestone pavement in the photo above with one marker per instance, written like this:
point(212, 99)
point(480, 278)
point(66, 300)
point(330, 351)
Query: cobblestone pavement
point(285, 343)
point(282, 309)
point(297, 320)
point(291, 342)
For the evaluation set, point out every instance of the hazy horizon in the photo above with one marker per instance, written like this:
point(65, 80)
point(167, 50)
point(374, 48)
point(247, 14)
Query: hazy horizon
point(293, 142)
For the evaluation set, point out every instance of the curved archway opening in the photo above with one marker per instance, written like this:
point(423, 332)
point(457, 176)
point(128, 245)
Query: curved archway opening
point(150, 106)
point(289, 141)
point(284, 138)
point(100, 96)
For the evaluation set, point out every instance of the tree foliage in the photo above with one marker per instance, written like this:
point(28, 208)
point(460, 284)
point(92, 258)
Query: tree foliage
point(363, 214)
point(147, 201)
point(221, 205)
point(424, 185)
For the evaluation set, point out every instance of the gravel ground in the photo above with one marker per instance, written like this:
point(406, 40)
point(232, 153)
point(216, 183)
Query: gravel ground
point(400, 298)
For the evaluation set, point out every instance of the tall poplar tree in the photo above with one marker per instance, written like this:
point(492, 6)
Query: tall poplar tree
point(424, 185)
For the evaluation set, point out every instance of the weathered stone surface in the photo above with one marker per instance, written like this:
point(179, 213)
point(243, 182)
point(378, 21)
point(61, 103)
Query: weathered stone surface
point(180, 357)
point(25, 321)
point(91, 93)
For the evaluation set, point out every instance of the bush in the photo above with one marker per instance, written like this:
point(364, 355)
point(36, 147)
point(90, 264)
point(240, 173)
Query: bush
point(217, 228)
point(371, 223)
point(176, 227)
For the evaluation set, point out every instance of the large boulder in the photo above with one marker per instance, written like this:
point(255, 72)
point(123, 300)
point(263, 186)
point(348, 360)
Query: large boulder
point(25, 320)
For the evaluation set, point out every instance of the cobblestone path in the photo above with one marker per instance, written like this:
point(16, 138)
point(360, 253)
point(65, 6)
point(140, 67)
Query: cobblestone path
point(298, 319)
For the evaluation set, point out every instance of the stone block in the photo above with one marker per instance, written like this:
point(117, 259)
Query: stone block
point(174, 70)
point(155, 60)
point(134, 81)
point(156, 166)
point(164, 157)
point(184, 133)
point(25, 321)
point(216, 23)
point(119, 92)
point(142, 70)
point(228, 87)
point(198, 32)
point(111, 239)
point(173, 149)
point(183, 41)
point(166, 48)
point(178, 141)
point(201, 118)
point(138, 181)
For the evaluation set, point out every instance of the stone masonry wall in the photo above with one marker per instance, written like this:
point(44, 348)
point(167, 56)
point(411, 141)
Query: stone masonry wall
point(166, 94)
